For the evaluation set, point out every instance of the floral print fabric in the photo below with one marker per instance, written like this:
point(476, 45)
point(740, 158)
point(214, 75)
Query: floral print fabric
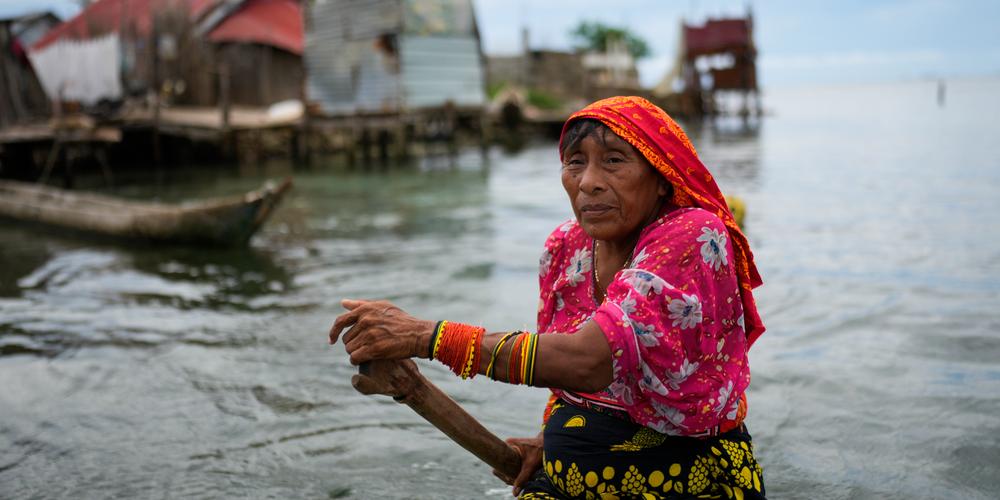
point(673, 321)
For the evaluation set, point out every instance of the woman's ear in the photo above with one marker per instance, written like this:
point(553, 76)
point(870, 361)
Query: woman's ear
point(665, 189)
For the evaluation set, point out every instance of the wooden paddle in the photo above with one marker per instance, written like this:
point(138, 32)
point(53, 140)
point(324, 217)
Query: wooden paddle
point(404, 382)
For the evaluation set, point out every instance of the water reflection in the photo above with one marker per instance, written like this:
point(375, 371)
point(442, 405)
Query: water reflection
point(731, 148)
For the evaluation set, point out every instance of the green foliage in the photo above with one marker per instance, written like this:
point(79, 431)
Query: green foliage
point(541, 100)
point(596, 35)
point(494, 88)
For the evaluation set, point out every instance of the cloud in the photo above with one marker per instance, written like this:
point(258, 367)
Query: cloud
point(911, 10)
point(852, 59)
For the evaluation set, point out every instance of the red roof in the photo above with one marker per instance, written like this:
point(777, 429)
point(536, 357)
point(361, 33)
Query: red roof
point(107, 16)
point(717, 35)
point(268, 22)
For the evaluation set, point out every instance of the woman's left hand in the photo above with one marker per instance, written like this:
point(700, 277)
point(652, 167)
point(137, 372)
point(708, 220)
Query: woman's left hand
point(380, 330)
point(530, 450)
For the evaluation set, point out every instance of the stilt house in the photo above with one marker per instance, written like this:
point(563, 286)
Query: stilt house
point(177, 47)
point(715, 60)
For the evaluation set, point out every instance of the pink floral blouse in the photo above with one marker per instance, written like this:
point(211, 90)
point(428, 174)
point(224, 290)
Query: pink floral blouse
point(673, 320)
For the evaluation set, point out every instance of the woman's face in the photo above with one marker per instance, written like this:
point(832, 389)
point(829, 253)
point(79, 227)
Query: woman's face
point(613, 189)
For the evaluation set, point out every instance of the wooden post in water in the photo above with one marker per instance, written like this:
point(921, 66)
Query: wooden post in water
point(224, 109)
point(365, 143)
point(401, 138)
point(303, 133)
point(383, 138)
point(157, 153)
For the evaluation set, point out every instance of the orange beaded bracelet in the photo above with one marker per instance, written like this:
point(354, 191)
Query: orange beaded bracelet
point(458, 346)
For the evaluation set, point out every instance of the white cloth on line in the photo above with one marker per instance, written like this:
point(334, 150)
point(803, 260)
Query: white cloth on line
point(80, 70)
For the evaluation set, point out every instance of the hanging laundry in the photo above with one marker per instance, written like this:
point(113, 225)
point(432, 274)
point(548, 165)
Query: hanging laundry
point(85, 71)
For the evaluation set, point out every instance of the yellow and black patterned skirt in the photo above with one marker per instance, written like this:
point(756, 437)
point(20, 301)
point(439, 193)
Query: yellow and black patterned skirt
point(596, 455)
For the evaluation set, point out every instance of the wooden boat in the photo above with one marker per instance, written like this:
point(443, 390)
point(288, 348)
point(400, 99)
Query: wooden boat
point(227, 221)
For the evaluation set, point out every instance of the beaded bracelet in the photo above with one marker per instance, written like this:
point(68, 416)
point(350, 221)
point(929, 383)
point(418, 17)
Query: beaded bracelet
point(437, 338)
point(514, 360)
point(525, 348)
point(493, 355)
point(432, 347)
point(457, 348)
point(529, 374)
point(521, 359)
point(472, 358)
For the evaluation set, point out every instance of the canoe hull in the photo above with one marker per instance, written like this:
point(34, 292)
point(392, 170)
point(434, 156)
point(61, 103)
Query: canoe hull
point(221, 222)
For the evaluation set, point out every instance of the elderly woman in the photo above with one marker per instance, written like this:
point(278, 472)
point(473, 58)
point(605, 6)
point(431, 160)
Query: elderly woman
point(645, 319)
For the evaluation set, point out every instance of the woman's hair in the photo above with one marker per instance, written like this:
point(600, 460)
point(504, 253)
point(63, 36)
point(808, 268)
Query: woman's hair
point(578, 130)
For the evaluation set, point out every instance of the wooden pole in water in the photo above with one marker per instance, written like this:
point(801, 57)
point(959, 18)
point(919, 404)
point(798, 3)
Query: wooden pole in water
point(225, 132)
point(404, 382)
point(157, 152)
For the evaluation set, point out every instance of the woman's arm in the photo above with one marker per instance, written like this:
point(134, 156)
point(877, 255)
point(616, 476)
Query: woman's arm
point(380, 330)
point(578, 362)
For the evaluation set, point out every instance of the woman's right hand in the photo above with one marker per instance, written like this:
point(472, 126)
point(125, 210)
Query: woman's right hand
point(530, 450)
point(380, 330)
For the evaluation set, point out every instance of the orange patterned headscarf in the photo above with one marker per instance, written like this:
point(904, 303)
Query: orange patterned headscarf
point(667, 148)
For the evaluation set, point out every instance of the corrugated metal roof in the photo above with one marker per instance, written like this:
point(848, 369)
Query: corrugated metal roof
point(717, 35)
point(110, 16)
point(269, 22)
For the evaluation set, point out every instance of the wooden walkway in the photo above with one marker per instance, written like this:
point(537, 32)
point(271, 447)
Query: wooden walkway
point(46, 132)
point(206, 122)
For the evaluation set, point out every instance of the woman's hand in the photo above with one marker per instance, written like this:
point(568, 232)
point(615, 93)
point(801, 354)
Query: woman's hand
point(530, 450)
point(380, 330)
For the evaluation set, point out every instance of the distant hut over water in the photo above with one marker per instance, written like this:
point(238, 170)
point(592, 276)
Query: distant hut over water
point(716, 60)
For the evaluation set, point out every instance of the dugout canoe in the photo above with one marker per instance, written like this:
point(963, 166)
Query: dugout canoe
point(228, 221)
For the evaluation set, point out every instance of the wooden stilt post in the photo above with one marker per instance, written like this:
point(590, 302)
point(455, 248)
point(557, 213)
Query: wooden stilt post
point(451, 127)
point(351, 144)
point(225, 133)
point(302, 140)
point(485, 135)
point(157, 153)
point(101, 154)
point(382, 139)
point(53, 157)
point(366, 146)
point(401, 139)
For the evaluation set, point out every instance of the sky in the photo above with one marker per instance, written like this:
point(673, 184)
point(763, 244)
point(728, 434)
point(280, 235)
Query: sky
point(799, 41)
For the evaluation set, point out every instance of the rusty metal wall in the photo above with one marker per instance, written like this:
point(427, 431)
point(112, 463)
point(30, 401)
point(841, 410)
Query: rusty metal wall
point(349, 68)
point(368, 56)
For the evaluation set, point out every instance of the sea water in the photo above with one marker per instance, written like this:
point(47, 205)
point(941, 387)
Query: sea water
point(164, 372)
